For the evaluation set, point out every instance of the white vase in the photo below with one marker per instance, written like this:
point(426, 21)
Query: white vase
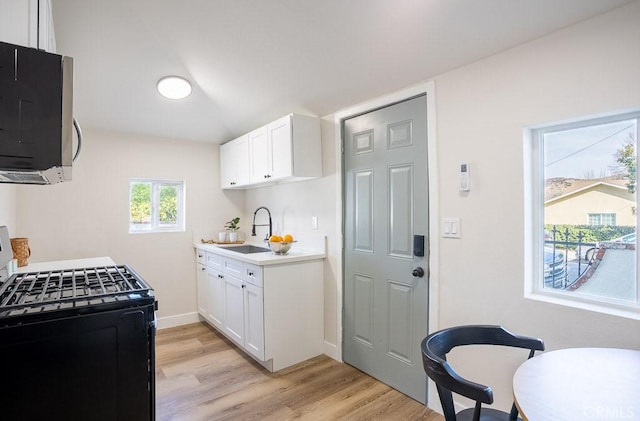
point(233, 237)
point(222, 236)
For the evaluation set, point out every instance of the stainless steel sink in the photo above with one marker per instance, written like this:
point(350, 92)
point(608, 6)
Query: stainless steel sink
point(247, 249)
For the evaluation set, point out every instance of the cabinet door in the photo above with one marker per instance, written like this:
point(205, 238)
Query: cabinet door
point(227, 166)
point(254, 320)
point(201, 278)
point(234, 163)
point(241, 158)
point(215, 298)
point(234, 309)
point(259, 156)
point(280, 156)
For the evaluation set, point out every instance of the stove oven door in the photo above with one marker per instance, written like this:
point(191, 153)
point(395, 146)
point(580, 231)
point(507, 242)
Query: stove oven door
point(95, 366)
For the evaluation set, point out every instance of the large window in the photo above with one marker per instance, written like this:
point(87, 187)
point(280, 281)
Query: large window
point(584, 213)
point(156, 206)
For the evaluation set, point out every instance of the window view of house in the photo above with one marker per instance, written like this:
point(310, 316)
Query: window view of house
point(156, 206)
point(590, 209)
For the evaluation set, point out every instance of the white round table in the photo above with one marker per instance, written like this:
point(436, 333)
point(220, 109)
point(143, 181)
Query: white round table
point(579, 384)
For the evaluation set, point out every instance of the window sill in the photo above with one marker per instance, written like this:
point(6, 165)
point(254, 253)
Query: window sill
point(629, 313)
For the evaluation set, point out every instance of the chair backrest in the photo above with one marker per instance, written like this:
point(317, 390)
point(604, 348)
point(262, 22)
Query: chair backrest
point(436, 346)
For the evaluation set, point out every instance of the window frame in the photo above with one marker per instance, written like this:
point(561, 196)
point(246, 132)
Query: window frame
point(156, 226)
point(534, 185)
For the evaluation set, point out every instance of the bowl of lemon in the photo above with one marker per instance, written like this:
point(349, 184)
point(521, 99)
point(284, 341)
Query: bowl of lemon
point(281, 244)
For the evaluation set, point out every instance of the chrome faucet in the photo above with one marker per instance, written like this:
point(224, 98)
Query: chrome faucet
point(253, 229)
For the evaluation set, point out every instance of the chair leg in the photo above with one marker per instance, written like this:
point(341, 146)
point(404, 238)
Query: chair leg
point(513, 415)
point(477, 411)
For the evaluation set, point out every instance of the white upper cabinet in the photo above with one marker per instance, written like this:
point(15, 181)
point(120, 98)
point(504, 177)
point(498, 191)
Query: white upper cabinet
point(234, 163)
point(287, 149)
point(19, 23)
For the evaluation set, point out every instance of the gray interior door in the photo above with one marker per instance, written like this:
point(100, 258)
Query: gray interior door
point(386, 204)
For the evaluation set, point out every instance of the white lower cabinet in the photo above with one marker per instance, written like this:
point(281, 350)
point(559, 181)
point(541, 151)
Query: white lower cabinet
point(254, 320)
point(201, 275)
point(214, 298)
point(234, 313)
point(274, 312)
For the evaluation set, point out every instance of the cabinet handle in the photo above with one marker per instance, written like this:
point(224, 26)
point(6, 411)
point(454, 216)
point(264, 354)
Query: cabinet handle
point(221, 276)
point(203, 268)
point(199, 255)
point(250, 273)
point(244, 286)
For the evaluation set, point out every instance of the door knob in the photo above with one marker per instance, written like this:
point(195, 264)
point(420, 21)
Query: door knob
point(418, 272)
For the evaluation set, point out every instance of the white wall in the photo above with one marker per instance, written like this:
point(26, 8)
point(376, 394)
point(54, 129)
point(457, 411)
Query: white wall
point(587, 69)
point(8, 207)
point(89, 215)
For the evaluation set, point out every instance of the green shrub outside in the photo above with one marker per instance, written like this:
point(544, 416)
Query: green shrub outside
point(590, 233)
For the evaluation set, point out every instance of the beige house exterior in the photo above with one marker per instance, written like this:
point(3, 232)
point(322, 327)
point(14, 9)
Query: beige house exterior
point(599, 197)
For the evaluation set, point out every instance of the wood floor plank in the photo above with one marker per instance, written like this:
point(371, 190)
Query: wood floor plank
point(201, 375)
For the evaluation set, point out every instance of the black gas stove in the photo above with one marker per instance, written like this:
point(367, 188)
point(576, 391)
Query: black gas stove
point(78, 344)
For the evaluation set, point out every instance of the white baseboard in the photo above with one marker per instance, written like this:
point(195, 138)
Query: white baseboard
point(331, 350)
point(178, 320)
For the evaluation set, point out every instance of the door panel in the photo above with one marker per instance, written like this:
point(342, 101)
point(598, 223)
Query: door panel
point(400, 311)
point(363, 309)
point(386, 204)
point(401, 211)
point(363, 203)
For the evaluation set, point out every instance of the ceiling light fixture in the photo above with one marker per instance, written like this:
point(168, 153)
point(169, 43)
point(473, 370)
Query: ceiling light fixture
point(174, 87)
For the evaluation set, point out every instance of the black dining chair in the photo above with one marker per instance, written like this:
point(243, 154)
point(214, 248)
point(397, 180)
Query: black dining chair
point(434, 358)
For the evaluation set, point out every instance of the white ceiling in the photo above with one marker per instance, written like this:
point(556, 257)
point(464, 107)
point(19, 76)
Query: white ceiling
point(252, 61)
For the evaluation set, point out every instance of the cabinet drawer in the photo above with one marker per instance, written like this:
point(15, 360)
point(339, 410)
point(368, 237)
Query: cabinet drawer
point(253, 274)
point(234, 268)
point(214, 261)
point(201, 257)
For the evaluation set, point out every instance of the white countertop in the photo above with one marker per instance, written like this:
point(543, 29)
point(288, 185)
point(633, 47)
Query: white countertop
point(312, 248)
point(66, 264)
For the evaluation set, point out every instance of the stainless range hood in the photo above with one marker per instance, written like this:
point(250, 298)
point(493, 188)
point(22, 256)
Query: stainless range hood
point(36, 116)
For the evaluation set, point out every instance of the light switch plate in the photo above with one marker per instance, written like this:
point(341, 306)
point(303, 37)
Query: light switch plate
point(451, 227)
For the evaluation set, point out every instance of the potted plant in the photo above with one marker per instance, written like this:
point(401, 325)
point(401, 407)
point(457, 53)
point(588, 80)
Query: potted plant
point(233, 227)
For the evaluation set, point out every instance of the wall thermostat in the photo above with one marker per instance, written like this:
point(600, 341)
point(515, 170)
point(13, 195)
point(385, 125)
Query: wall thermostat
point(464, 177)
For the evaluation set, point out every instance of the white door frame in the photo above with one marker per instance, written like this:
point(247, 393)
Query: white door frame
point(434, 232)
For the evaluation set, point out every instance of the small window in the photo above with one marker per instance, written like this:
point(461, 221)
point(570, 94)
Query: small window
point(156, 206)
point(584, 213)
point(602, 219)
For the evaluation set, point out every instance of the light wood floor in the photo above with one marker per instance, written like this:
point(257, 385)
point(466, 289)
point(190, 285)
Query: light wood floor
point(200, 375)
